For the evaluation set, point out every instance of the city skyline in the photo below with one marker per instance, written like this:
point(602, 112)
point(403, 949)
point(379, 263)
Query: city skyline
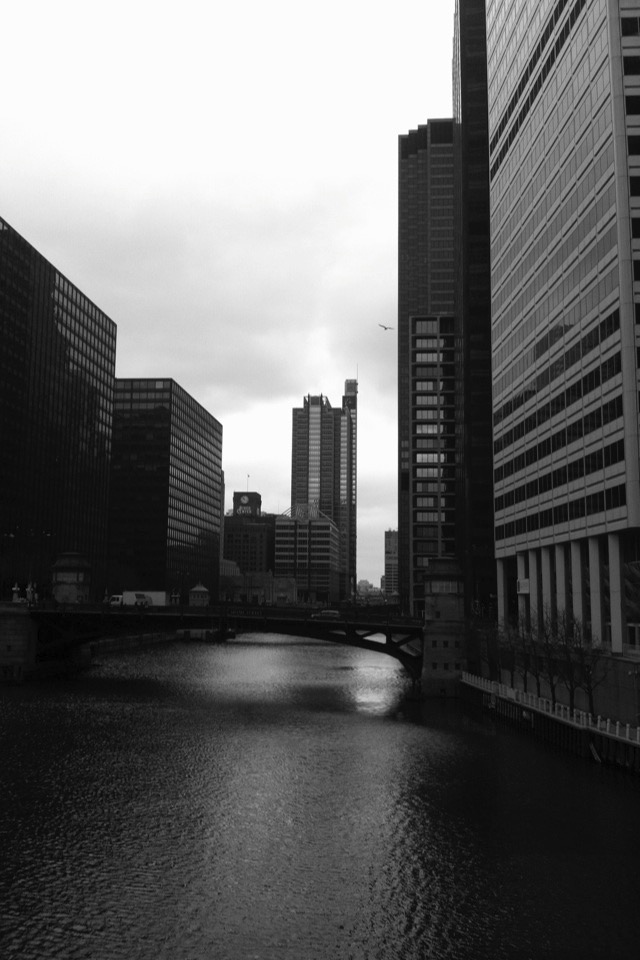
point(225, 226)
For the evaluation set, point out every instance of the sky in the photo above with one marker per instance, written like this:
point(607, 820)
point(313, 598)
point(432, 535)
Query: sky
point(220, 178)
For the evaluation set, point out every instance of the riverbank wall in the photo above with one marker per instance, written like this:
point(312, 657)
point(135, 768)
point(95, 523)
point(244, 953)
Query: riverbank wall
point(598, 739)
point(84, 654)
point(18, 643)
point(22, 659)
point(136, 641)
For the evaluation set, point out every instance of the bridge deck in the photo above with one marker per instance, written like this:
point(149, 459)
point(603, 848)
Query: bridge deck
point(62, 629)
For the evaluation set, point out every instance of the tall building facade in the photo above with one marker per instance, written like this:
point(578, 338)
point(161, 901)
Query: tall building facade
point(427, 555)
point(166, 500)
point(308, 552)
point(57, 368)
point(564, 141)
point(391, 564)
point(249, 535)
point(474, 518)
point(324, 471)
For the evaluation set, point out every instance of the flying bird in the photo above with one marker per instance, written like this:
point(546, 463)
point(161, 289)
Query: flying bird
point(385, 328)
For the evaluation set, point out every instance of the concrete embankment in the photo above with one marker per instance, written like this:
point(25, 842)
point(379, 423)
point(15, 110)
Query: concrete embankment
point(84, 654)
point(135, 641)
point(578, 733)
point(22, 658)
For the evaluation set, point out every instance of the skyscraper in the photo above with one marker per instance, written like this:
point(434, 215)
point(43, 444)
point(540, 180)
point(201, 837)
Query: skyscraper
point(474, 487)
point(324, 470)
point(57, 368)
point(166, 500)
point(391, 564)
point(564, 129)
point(428, 562)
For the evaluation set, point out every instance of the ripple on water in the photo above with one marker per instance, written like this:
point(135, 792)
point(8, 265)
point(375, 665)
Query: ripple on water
point(276, 800)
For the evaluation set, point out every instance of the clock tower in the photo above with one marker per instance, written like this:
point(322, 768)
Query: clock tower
point(247, 504)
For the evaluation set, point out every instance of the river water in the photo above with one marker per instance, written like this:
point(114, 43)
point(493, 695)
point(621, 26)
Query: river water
point(280, 799)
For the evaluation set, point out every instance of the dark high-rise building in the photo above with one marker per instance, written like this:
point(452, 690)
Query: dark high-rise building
point(429, 565)
point(348, 513)
point(474, 533)
point(249, 535)
point(166, 490)
point(445, 489)
point(57, 367)
point(564, 154)
point(323, 470)
point(391, 564)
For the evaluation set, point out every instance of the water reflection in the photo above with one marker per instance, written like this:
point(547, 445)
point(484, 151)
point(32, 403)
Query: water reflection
point(283, 799)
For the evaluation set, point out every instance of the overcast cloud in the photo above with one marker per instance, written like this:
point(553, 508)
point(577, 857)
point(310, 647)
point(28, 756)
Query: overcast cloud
point(221, 179)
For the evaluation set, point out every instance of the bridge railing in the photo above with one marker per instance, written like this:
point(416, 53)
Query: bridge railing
point(577, 718)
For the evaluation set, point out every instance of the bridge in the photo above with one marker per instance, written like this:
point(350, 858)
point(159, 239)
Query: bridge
point(398, 638)
point(58, 632)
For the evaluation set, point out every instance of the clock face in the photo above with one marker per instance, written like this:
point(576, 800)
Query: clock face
point(244, 499)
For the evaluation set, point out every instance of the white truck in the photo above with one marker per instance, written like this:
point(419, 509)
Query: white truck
point(130, 598)
point(157, 598)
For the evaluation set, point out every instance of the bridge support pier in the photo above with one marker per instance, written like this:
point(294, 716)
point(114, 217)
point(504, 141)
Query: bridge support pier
point(441, 658)
point(18, 636)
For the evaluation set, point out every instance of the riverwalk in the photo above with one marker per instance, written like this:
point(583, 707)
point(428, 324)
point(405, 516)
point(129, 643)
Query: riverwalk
point(602, 739)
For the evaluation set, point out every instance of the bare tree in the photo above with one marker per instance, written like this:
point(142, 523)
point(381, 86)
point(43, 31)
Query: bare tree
point(548, 645)
point(507, 650)
point(490, 649)
point(593, 660)
point(522, 645)
point(568, 664)
point(535, 662)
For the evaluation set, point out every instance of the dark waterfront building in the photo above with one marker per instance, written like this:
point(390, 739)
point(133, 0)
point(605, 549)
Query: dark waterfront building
point(429, 566)
point(249, 535)
point(564, 128)
point(166, 490)
point(474, 486)
point(324, 471)
point(445, 488)
point(57, 367)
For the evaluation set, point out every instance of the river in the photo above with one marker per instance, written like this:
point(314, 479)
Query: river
point(281, 799)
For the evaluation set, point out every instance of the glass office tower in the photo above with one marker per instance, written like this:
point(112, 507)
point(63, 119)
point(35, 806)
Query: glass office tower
point(166, 500)
point(564, 128)
point(57, 367)
point(324, 470)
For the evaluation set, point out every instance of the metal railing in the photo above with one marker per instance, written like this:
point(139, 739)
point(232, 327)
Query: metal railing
point(577, 718)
